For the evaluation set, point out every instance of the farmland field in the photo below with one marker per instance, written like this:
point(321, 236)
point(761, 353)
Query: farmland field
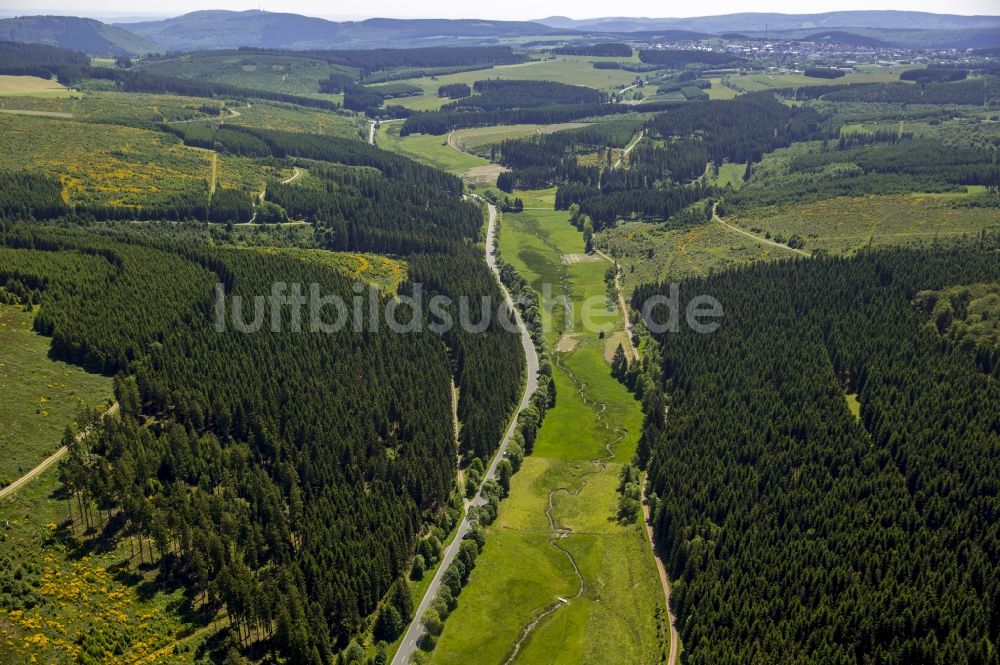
point(755, 82)
point(611, 613)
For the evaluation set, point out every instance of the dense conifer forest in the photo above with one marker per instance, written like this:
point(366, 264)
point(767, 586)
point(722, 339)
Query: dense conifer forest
point(286, 476)
point(797, 533)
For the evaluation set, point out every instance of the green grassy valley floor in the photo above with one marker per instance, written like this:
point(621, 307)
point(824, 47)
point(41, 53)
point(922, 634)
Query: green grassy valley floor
point(556, 550)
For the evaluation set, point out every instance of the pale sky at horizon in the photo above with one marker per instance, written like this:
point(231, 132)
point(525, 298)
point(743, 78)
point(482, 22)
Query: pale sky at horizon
point(511, 10)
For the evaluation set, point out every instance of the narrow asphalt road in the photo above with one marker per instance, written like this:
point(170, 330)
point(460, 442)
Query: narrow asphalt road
point(415, 630)
point(47, 462)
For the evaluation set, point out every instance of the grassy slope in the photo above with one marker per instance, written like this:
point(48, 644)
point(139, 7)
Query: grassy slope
point(290, 74)
point(845, 225)
point(81, 591)
point(521, 571)
point(385, 273)
point(14, 85)
point(39, 396)
point(426, 148)
point(104, 164)
point(650, 253)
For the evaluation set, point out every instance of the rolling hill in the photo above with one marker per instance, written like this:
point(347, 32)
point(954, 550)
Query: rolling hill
point(225, 29)
point(754, 21)
point(77, 34)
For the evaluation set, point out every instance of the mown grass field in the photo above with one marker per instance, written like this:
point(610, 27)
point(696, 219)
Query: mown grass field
point(845, 225)
point(574, 70)
point(593, 429)
point(39, 396)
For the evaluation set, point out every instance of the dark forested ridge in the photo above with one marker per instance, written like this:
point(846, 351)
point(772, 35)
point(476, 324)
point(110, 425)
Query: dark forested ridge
point(797, 533)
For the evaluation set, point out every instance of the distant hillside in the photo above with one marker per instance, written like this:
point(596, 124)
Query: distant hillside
point(920, 39)
point(225, 29)
point(877, 19)
point(844, 37)
point(77, 34)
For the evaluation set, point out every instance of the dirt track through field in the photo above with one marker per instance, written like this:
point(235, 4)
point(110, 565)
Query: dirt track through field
point(47, 462)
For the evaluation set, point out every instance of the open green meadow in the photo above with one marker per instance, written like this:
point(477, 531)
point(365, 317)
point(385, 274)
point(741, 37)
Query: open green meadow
point(720, 91)
point(133, 108)
point(473, 138)
point(728, 174)
point(39, 396)
point(120, 107)
point(427, 148)
point(560, 576)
